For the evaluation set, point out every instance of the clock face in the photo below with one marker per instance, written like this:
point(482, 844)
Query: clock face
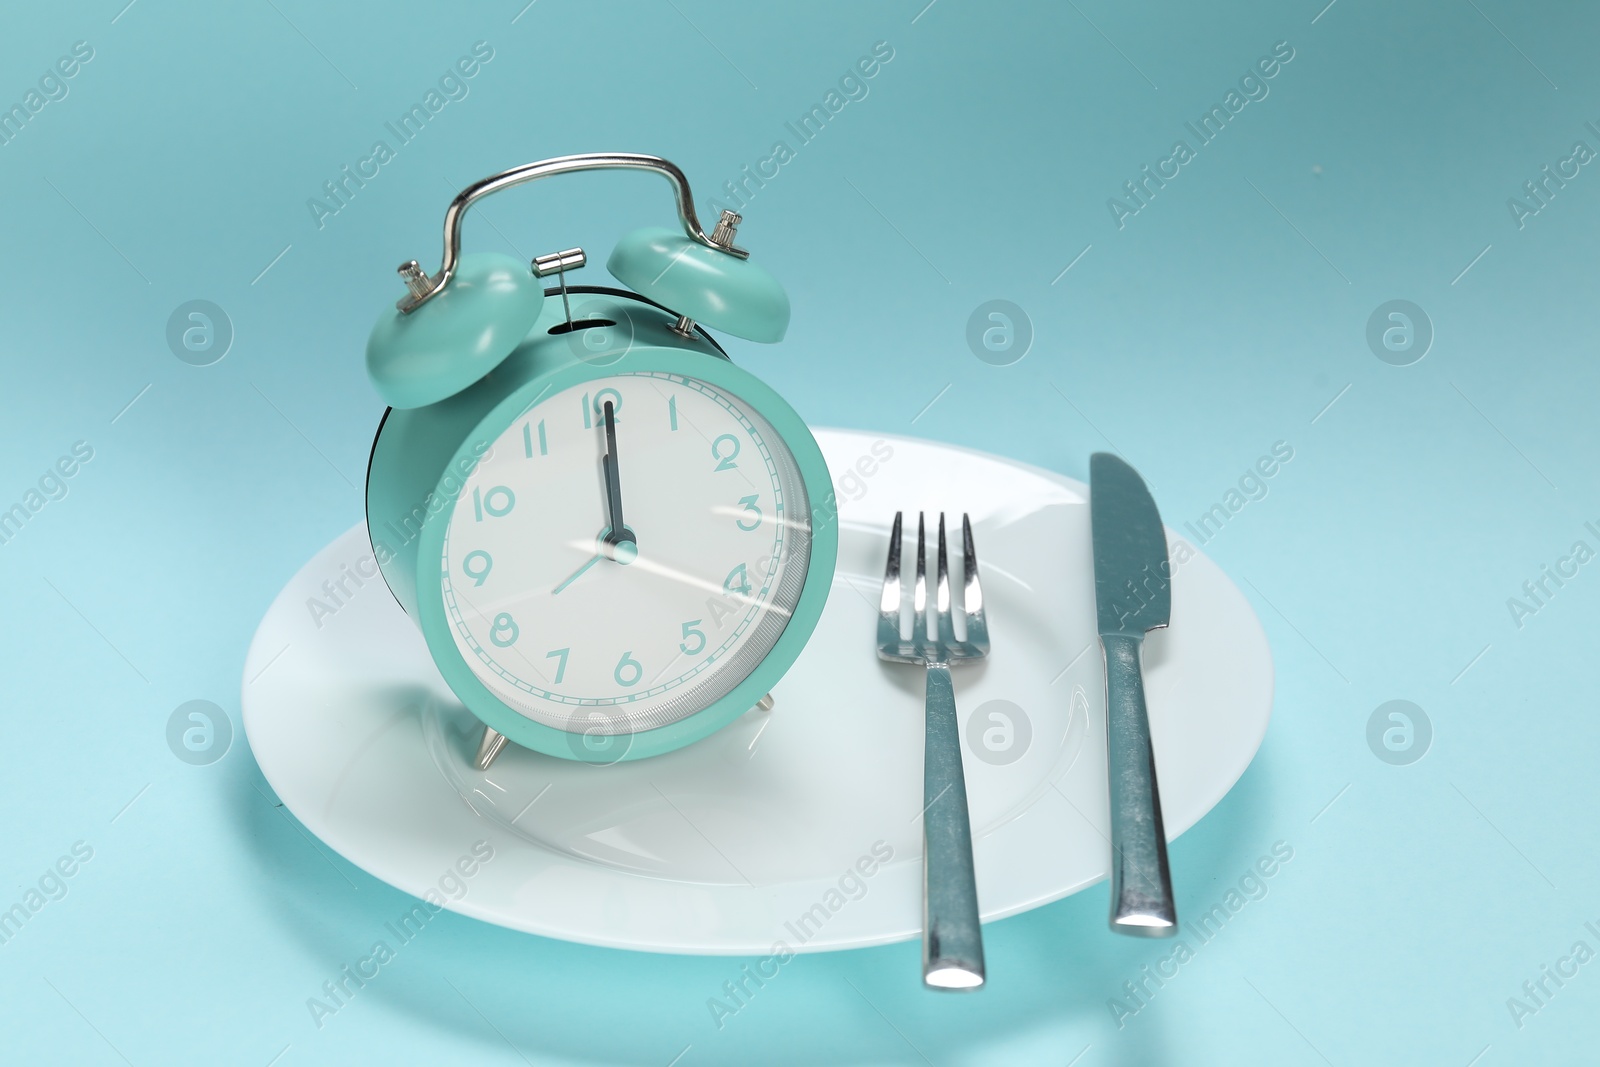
point(599, 631)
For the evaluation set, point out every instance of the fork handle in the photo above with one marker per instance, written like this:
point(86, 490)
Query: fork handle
point(952, 939)
point(1141, 886)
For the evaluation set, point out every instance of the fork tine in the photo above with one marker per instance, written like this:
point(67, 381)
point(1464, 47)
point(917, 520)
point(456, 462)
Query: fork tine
point(889, 603)
point(942, 619)
point(893, 595)
point(972, 592)
point(919, 603)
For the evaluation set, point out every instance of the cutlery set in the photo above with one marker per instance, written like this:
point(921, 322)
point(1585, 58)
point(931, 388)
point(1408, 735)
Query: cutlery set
point(1133, 595)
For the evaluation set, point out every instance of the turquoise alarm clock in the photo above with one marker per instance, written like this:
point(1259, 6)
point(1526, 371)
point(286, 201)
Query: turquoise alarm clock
point(614, 540)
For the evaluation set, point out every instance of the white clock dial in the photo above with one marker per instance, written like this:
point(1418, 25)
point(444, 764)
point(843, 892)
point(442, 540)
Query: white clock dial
point(583, 634)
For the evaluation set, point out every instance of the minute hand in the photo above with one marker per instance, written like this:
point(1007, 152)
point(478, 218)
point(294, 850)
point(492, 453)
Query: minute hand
point(619, 533)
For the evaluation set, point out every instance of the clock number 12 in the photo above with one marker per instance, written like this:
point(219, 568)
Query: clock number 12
point(597, 410)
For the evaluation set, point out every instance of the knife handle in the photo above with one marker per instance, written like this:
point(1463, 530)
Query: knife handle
point(952, 937)
point(1141, 886)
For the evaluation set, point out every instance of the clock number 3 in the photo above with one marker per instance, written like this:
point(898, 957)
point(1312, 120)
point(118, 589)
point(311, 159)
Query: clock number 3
point(753, 513)
point(725, 456)
point(505, 631)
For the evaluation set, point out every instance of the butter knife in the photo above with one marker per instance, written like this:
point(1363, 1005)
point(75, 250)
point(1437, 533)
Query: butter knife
point(1133, 595)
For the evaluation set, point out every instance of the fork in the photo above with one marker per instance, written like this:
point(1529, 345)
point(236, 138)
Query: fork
point(952, 939)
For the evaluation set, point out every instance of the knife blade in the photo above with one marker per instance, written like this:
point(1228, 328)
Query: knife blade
point(1133, 595)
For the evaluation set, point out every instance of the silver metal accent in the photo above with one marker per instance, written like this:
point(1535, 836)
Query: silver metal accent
point(684, 327)
point(489, 747)
point(416, 281)
point(727, 226)
point(556, 262)
point(765, 703)
point(952, 937)
point(1133, 594)
point(547, 168)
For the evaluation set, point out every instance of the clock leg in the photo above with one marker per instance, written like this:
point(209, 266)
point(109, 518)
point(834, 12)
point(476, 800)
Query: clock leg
point(489, 747)
point(765, 703)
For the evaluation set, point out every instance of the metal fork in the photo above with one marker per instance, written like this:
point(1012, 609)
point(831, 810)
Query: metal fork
point(952, 940)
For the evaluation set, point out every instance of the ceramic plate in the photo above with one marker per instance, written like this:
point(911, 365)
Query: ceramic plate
point(799, 825)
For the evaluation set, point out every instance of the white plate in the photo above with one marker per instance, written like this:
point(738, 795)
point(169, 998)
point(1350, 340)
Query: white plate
point(777, 828)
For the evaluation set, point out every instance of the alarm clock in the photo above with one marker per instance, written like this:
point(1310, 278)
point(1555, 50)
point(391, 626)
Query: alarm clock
point(613, 539)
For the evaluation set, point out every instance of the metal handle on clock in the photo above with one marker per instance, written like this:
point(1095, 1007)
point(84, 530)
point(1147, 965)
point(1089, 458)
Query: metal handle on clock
point(423, 286)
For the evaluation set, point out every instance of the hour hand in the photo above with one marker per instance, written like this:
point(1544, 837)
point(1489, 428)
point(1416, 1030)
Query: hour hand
point(619, 532)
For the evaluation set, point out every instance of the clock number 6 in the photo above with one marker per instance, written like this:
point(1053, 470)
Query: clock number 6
point(505, 631)
point(749, 503)
point(629, 670)
point(725, 459)
point(698, 635)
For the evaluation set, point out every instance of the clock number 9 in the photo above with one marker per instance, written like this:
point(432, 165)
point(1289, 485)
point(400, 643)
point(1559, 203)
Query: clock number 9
point(698, 635)
point(725, 459)
point(749, 503)
point(505, 631)
point(477, 576)
point(482, 502)
point(629, 670)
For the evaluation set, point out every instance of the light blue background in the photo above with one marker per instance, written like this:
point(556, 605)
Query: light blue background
point(1224, 317)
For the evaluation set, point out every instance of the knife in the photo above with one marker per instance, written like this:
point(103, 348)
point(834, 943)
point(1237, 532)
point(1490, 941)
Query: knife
point(1133, 595)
